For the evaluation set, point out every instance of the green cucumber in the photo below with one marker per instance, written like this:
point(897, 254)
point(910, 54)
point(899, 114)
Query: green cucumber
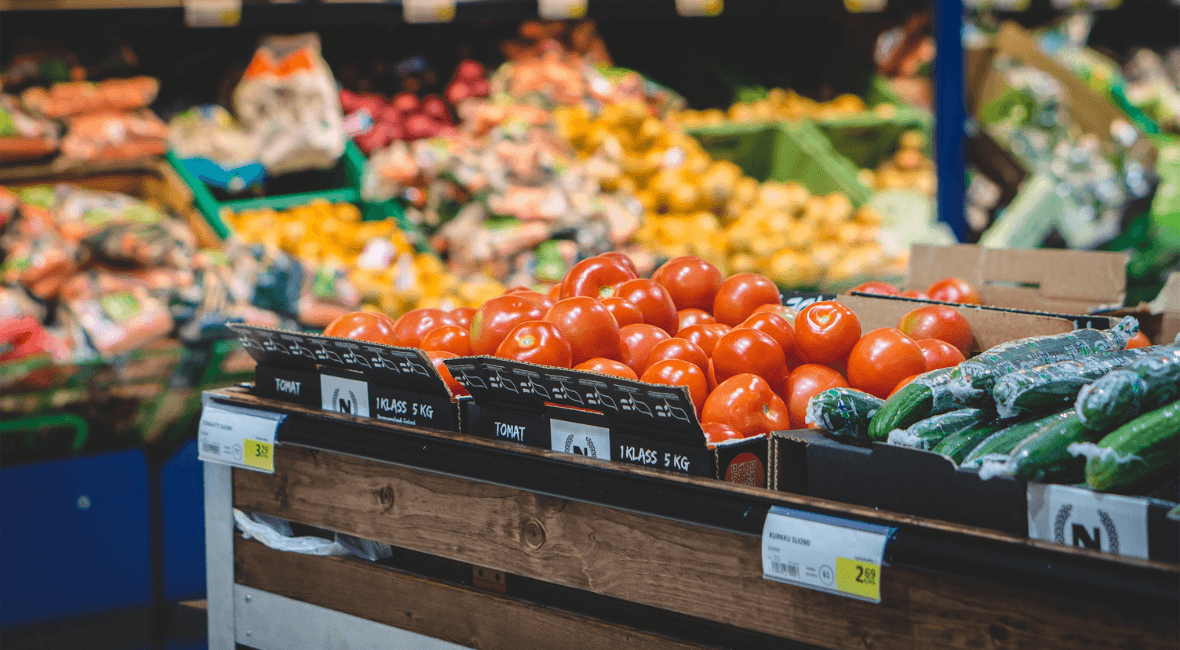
point(1055, 386)
point(1122, 395)
point(1045, 455)
point(973, 380)
point(843, 412)
point(1002, 442)
point(933, 430)
point(917, 400)
point(1143, 449)
point(958, 445)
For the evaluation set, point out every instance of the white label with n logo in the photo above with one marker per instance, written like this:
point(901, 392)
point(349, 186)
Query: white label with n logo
point(347, 396)
point(581, 439)
point(1079, 517)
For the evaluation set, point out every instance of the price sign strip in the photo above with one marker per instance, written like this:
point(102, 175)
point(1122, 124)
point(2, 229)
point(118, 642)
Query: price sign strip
point(236, 436)
point(827, 553)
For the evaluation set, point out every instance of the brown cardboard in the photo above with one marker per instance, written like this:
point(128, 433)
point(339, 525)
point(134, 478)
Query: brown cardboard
point(1045, 280)
point(1160, 318)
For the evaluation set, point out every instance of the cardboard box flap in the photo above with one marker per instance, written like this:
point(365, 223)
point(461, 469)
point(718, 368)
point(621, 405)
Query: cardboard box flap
point(406, 369)
point(647, 409)
point(1045, 280)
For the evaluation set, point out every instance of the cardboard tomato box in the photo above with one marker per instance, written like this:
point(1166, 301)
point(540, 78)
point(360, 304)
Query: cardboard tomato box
point(1160, 318)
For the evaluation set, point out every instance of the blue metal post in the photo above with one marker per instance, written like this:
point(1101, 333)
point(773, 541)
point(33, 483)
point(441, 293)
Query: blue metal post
point(950, 114)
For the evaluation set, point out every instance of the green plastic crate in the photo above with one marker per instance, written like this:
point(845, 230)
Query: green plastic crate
point(868, 138)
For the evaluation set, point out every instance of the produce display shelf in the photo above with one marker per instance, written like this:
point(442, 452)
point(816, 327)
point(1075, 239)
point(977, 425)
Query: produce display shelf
point(598, 553)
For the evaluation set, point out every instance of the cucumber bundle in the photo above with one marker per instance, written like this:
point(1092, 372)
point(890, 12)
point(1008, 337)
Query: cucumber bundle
point(1046, 456)
point(924, 396)
point(1121, 395)
point(843, 412)
point(1139, 451)
point(958, 445)
point(933, 430)
point(1000, 444)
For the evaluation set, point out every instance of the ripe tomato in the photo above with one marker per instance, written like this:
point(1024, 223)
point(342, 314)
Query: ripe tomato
point(747, 350)
point(539, 299)
point(803, 383)
point(876, 289)
point(678, 348)
point(914, 293)
point(746, 403)
point(704, 335)
point(597, 277)
point(882, 358)
point(416, 323)
point(954, 290)
point(536, 342)
point(712, 376)
point(449, 338)
point(624, 312)
point(691, 281)
point(1140, 340)
point(588, 326)
point(901, 384)
point(554, 292)
point(716, 432)
point(940, 354)
point(826, 331)
point(437, 356)
point(678, 372)
point(622, 259)
point(692, 316)
point(463, 316)
point(364, 326)
point(653, 301)
point(638, 340)
point(607, 367)
point(740, 295)
point(786, 313)
point(495, 319)
point(938, 322)
point(778, 329)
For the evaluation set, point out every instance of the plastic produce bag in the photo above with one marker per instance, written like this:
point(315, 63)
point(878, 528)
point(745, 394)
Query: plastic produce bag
point(114, 135)
point(215, 148)
point(277, 534)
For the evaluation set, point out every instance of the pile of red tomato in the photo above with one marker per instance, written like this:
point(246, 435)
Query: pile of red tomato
point(749, 363)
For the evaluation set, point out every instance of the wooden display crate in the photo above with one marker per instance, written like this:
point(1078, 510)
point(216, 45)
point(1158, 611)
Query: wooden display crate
point(502, 547)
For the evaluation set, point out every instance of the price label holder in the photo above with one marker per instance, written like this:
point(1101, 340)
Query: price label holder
point(700, 7)
point(212, 13)
point(1079, 517)
point(236, 436)
point(831, 554)
point(561, 9)
point(428, 11)
point(864, 6)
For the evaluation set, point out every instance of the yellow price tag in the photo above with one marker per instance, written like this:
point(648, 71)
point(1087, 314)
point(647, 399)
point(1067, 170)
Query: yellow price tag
point(858, 578)
point(258, 454)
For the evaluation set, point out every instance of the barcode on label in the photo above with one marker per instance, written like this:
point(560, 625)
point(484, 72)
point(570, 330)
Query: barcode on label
point(211, 447)
point(791, 569)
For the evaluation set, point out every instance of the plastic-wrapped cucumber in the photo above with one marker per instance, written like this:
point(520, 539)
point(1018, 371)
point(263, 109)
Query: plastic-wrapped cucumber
point(1045, 455)
point(958, 445)
point(973, 380)
point(933, 430)
point(1055, 386)
point(1141, 450)
point(925, 396)
point(843, 412)
point(1122, 395)
point(1002, 442)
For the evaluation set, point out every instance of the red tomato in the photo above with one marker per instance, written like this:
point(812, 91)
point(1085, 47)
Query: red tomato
point(678, 348)
point(940, 354)
point(542, 301)
point(740, 295)
point(882, 358)
point(364, 326)
point(495, 319)
point(826, 331)
point(653, 301)
point(787, 313)
point(705, 335)
point(554, 292)
point(448, 338)
point(914, 293)
point(588, 326)
point(747, 350)
point(678, 372)
point(901, 384)
point(417, 323)
point(597, 277)
point(954, 290)
point(712, 376)
point(463, 316)
point(692, 316)
point(437, 356)
point(778, 329)
point(716, 432)
point(938, 322)
point(1140, 340)
point(638, 340)
point(624, 312)
point(746, 403)
point(622, 260)
point(536, 342)
point(803, 383)
point(691, 281)
point(607, 367)
point(876, 288)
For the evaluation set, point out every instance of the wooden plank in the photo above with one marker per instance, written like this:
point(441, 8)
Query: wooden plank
point(460, 615)
point(703, 572)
